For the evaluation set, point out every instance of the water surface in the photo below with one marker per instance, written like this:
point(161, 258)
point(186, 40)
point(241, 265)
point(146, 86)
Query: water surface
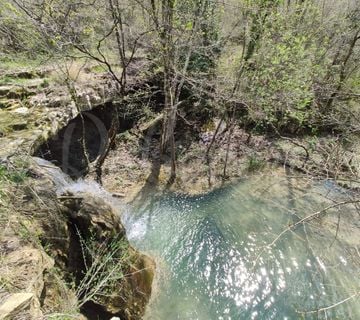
point(214, 261)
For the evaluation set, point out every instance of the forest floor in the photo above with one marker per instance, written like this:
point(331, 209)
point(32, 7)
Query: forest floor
point(133, 167)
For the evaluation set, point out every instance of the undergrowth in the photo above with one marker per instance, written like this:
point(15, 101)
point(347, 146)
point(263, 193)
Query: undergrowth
point(104, 263)
point(10, 177)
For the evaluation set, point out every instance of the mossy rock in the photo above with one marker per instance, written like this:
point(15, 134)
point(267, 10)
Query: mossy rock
point(26, 74)
point(10, 122)
point(19, 126)
point(19, 93)
point(23, 74)
point(15, 92)
point(4, 90)
point(9, 103)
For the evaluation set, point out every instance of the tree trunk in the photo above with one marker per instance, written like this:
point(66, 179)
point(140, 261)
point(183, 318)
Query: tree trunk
point(120, 40)
point(170, 108)
point(343, 75)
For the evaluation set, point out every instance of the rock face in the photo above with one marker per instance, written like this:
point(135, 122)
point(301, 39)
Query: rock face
point(23, 268)
point(35, 283)
point(66, 148)
point(43, 110)
point(92, 217)
point(24, 287)
point(42, 237)
point(16, 303)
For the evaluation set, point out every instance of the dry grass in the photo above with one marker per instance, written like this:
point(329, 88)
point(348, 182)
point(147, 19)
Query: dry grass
point(74, 71)
point(24, 264)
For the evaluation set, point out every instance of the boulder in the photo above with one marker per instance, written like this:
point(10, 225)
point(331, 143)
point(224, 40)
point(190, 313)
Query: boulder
point(23, 267)
point(93, 217)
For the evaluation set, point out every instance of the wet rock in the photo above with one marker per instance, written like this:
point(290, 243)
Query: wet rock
point(92, 213)
point(94, 218)
point(137, 289)
point(80, 217)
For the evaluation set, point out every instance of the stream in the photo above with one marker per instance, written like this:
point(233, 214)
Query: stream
point(225, 255)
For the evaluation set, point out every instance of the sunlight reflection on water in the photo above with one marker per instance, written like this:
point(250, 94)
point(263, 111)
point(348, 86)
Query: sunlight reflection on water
point(210, 244)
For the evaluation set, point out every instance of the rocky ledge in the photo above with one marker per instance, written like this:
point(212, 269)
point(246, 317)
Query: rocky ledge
point(67, 255)
point(62, 256)
point(36, 104)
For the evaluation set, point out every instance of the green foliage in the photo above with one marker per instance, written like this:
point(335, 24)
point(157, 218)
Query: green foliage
point(281, 73)
point(12, 175)
point(287, 62)
point(17, 33)
point(198, 22)
point(98, 69)
point(282, 59)
point(200, 62)
point(21, 60)
point(45, 83)
point(126, 136)
point(6, 80)
point(255, 164)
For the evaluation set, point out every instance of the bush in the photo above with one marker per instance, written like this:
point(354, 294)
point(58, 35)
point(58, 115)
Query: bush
point(14, 176)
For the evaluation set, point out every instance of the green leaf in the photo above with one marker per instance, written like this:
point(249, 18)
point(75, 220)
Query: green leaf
point(189, 26)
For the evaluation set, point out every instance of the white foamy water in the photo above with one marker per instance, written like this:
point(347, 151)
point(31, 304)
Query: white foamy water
point(64, 184)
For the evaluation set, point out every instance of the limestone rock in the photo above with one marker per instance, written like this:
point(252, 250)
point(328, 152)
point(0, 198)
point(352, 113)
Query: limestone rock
point(21, 110)
point(15, 304)
point(9, 103)
point(94, 217)
point(24, 267)
point(17, 126)
point(4, 90)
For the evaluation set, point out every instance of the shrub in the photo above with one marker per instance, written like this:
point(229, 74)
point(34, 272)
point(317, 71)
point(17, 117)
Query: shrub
point(104, 266)
point(255, 163)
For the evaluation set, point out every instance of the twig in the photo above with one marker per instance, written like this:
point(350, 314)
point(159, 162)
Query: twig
point(69, 197)
point(306, 219)
point(332, 306)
